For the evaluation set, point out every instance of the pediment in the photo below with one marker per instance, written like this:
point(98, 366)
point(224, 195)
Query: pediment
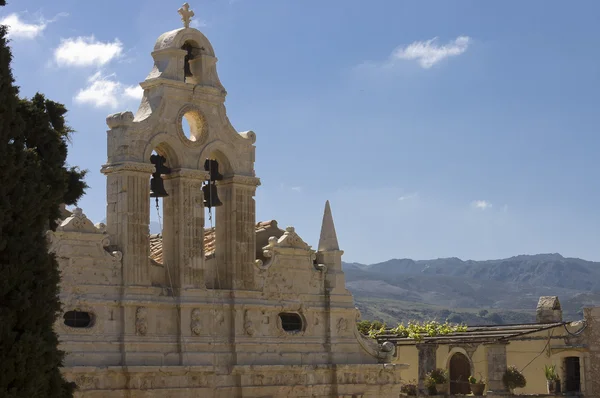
point(78, 222)
point(289, 240)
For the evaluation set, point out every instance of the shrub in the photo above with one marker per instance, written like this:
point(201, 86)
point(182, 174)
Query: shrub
point(409, 389)
point(438, 376)
point(513, 378)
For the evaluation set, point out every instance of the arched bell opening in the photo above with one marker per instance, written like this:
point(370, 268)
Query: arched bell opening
point(215, 198)
point(192, 64)
point(161, 200)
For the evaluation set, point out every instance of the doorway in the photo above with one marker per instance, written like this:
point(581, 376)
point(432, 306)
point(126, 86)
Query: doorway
point(460, 370)
point(573, 374)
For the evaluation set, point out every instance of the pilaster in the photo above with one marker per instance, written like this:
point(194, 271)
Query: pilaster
point(128, 215)
point(427, 361)
point(236, 233)
point(496, 366)
point(183, 238)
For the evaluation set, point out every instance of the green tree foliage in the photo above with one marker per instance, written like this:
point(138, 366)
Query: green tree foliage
point(34, 181)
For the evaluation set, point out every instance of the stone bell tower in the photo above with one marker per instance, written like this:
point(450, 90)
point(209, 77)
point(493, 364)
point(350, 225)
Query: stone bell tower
point(183, 84)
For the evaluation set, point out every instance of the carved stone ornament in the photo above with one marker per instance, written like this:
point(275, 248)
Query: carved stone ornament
point(186, 15)
point(248, 325)
point(78, 222)
point(241, 180)
point(141, 321)
point(119, 119)
point(197, 124)
point(290, 239)
point(342, 325)
point(147, 168)
point(196, 324)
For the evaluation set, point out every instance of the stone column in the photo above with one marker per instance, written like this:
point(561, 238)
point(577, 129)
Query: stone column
point(235, 248)
point(496, 366)
point(128, 217)
point(427, 363)
point(183, 240)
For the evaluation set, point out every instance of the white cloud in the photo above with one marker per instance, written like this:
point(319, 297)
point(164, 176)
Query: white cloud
point(86, 51)
point(22, 30)
point(481, 204)
point(409, 196)
point(134, 92)
point(197, 23)
point(428, 53)
point(296, 189)
point(106, 92)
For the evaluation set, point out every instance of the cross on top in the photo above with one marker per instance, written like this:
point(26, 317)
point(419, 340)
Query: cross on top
point(186, 14)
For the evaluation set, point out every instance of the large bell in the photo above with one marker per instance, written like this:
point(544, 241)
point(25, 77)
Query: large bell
point(157, 185)
point(211, 198)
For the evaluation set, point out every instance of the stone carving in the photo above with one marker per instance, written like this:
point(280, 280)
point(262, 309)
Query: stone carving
point(186, 15)
point(249, 135)
point(78, 222)
point(119, 119)
point(196, 322)
point(141, 321)
point(248, 325)
point(147, 168)
point(342, 325)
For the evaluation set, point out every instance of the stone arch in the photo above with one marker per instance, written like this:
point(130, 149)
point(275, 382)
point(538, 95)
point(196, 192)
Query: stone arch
point(216, 150)
point(165, 145)
point(177, 38)
point(458, 364)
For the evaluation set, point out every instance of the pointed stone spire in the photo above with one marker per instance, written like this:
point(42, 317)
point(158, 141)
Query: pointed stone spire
point(328, 241)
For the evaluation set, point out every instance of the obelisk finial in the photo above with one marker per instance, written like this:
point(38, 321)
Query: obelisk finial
point(328, 240)
point(186, 14)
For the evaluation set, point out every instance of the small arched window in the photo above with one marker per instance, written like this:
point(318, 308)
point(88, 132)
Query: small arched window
point(291, 322)
point(78, 319)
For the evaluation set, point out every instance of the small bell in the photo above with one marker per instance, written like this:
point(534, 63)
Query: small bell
point(157, 185)
point(211, 198)
point(212, 166)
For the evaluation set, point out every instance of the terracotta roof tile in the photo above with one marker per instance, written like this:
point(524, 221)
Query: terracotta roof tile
point(264, 230)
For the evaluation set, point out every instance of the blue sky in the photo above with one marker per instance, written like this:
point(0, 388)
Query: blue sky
point(435, 128)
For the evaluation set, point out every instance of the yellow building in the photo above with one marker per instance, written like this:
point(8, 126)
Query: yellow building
point(487, 351)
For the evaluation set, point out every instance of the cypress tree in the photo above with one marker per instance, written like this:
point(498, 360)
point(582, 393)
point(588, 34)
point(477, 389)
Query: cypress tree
point(34, 181)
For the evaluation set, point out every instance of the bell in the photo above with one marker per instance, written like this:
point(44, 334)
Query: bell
point(157, 188)
point(157, 185)
point(211, 199)
point(212, 166)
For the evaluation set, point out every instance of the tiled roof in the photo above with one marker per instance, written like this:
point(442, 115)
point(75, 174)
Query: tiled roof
point(486, 333)
point(263, 228)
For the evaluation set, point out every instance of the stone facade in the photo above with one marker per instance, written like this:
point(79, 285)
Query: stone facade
point(272, 321)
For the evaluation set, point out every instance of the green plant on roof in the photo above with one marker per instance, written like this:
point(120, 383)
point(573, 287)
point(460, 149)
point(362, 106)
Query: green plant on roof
point(417, 331)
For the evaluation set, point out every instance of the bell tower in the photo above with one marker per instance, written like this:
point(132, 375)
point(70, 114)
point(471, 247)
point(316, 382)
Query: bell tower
point(213, 158)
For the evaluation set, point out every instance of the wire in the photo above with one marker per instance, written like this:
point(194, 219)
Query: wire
point(165, 263)
point(541, 352)
point(577, 333)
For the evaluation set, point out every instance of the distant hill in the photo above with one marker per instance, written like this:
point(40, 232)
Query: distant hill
point(507, 289)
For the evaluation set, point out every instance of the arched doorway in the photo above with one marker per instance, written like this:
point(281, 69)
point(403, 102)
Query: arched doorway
point(460, 370)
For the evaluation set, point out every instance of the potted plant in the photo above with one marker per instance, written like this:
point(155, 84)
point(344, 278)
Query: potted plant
point(409, 389)
point(437, 381)
point(552, 379)
point(477, 386)
point(513, 378)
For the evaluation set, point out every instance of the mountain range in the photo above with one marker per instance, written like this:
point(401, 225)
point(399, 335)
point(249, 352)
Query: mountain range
point(474, 292)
